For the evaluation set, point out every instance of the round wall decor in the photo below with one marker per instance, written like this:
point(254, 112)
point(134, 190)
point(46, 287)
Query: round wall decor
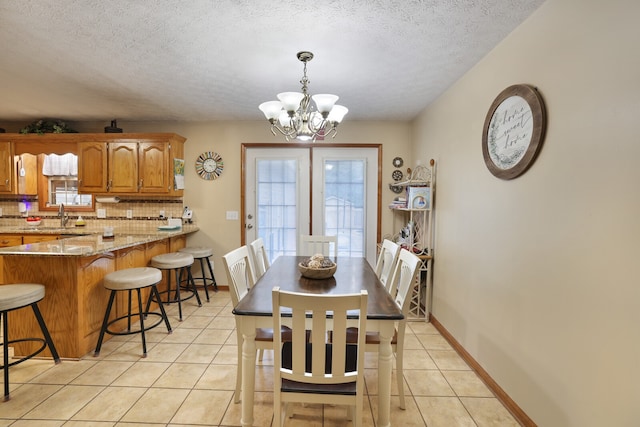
point(398, 162)
point(397, 175)
point(209, 165)
point(513, 132)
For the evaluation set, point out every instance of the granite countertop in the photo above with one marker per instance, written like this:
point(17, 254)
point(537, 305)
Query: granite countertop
point(89, 242)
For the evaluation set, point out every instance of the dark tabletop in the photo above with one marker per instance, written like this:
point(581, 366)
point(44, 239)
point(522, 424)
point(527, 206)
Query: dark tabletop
point(352, 275)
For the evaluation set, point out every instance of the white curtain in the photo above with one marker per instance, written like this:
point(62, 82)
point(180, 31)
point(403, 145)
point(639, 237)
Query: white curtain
point(64, 165)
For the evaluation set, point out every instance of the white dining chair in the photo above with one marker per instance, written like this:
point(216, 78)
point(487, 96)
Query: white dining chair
point(260, 258)
point(310, 245)
point(240, 276)
point(401, 285)
point(318, 371)
point(386, 260)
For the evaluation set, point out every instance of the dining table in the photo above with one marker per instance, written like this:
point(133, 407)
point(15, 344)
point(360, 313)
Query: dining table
point(352, 275)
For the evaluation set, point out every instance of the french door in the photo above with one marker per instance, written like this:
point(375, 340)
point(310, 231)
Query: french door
point(312, 190)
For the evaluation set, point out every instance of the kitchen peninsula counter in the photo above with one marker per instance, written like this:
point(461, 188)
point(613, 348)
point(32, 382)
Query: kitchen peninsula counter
point(72, 271)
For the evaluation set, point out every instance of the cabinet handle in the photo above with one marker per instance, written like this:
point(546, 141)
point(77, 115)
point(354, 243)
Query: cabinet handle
point(140, 185)
point(6, 181)
point(109, 185)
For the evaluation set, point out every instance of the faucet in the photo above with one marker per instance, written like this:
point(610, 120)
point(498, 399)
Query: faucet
point(64, 218)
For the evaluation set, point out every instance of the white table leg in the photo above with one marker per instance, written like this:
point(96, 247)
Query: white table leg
point(248, 368)
point(385, 363)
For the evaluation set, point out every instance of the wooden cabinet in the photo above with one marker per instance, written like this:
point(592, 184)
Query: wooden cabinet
point(92, 167)
point(38, 238)
point(126, 163)
point(8, 240)
point(141, 165)
point(123, 167)
point(6, 168)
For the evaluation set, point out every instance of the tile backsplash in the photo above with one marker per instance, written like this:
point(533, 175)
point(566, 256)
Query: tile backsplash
point(143, 212)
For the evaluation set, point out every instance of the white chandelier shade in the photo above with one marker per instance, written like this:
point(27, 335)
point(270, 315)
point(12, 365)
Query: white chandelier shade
point(295, 116)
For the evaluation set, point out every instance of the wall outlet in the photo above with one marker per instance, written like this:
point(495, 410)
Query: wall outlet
point(129, 213)
point(102, 213)
point(0, 211)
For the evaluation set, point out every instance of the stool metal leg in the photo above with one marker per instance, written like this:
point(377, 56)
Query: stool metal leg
point(193, 285)
point(141, 315)
point(154, 292)
point(105, 323)
point(213, 278)
point(45, 332)
point(178, 273)
point(204, 279)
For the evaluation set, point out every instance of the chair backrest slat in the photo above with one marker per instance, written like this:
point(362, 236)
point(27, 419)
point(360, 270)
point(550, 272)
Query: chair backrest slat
point(259, 257)
point(324, 312)
point(310, 245)
point(240, 273)
point(386, 261)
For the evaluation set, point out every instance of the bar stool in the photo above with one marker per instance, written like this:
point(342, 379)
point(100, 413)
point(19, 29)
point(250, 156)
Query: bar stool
point(178, 262)
point(13, 297)
point(202, 253)
point(128, 280)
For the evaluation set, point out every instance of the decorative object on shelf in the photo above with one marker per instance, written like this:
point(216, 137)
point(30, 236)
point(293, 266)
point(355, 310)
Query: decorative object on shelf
point(514, 130)
point(47, 126)
point(317, 267)
point(296, 118)
point(113, 128)
point(209, 165)
point(398, 162)
point(395, 188)
point(397, 175)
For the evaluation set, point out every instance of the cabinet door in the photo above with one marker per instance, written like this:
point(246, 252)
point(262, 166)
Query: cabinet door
point(155, 170)
point(6, 168)
point(38, 238)
point(123, 167)
point(92, 167)
point(8, 240)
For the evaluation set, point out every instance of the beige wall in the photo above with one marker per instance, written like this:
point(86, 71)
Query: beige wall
point(537, 277)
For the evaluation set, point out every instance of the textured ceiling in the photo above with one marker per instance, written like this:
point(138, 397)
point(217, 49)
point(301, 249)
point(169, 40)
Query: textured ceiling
point(218, 59)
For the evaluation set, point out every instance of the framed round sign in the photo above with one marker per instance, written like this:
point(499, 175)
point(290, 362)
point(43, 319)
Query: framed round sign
point(209, 165)
point(513, 131)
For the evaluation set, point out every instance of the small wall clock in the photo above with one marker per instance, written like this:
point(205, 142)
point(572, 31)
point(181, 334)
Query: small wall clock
point(209, 165)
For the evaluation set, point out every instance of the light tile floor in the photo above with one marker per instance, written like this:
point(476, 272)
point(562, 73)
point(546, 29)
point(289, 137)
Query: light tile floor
point(188, 379)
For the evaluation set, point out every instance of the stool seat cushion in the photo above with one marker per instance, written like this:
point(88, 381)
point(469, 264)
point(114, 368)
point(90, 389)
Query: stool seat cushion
point(172, 260)
point(132, 278)
point(198, 251)
point(20, 295)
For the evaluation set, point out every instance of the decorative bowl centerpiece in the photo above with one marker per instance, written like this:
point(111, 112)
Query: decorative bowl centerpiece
point(317, 267)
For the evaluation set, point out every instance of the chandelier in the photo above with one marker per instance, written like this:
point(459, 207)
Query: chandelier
point(296, 117)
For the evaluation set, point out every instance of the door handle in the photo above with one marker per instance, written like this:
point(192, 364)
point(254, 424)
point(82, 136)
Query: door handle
point(249, 226)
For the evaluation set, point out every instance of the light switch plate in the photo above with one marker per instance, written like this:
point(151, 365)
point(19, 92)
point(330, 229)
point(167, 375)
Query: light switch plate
point(102, 213)
point(232, 215)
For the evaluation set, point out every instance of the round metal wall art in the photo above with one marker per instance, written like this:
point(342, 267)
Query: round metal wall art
point(209, 165)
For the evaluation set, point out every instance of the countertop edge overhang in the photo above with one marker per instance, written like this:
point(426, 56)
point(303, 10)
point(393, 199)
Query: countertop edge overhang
point(90, 242)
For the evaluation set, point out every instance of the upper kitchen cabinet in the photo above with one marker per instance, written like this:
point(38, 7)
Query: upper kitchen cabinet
point(6, 168)
point(142, 165)
point(125, 163)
